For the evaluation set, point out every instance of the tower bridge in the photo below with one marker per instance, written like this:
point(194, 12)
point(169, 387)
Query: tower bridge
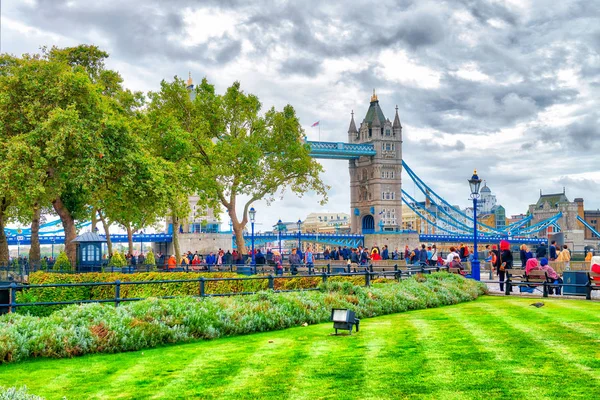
point(375, 163)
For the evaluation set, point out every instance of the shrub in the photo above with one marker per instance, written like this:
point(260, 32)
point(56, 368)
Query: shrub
point(117, 260)
point(97, 328)
point(44, 264)
point(62, 263)
point(12, 393)
point(150, 260)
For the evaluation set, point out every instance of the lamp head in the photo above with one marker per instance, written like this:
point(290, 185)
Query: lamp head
point(474, 184)
point(252, 214)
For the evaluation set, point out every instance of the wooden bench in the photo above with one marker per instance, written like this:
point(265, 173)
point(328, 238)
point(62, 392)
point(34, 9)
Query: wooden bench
point(518, 277)
point(455, 271)
point(593, 284)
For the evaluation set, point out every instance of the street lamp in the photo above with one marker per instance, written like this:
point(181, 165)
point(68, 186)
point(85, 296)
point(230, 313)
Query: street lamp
point(474, 183)
point(252, 214)
point(299, 233)
point(53, 240)
point(279, 229)
point(141, 241)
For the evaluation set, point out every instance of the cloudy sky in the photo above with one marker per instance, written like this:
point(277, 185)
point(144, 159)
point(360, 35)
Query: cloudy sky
point(508, 87)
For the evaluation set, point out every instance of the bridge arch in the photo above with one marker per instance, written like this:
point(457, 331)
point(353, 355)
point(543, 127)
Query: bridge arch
point(368, 224)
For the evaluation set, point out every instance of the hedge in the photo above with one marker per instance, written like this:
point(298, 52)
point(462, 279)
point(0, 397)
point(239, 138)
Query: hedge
point(13, 393)
point(53, 294)
point(96, 328)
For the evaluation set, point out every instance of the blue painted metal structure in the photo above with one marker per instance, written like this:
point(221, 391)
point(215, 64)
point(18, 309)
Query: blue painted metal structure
point(59, 239)
point(480, 238)
point(334, 239)
point(590, 227)
point(340, 151)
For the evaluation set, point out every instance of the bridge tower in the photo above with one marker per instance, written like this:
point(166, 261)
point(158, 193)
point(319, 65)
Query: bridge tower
point(375, 181)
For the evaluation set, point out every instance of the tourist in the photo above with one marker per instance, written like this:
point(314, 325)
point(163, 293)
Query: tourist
point(326, 253)
point(260, 259)
point(456, 263)
point(423, 256)
point(406, 252)
point(451, 255)
point(308, 258)
point(533, 265)
point(385, 254)
point(565, 256)
point(588, 256)
point(364, 256)
point(505, 262)
point(551, 273)
point(541, 251)
point(524, 254)
point(228, 258)
point(277, 262)
point(553, 251)
point(354, 257)
point(433, 256)
point(172, 263)
point(375, 254)
point(141, 259)
point(294, 261)
point(463, 252)
point(595, 266)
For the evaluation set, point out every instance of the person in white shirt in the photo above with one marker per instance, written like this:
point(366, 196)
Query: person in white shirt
point(451, 255)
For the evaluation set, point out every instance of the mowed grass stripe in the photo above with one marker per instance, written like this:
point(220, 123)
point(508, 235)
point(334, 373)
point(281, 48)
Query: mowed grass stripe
point(462, 353)
point(552, 358)
point(508, 372)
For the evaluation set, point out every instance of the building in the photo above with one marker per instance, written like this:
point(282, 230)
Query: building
point(375, 181)
point(592, 217)
point(326, 223)
point(287, 227)
point(548, 205)
point(487, 200)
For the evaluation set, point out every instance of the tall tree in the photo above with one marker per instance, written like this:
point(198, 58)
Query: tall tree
point(233, 150)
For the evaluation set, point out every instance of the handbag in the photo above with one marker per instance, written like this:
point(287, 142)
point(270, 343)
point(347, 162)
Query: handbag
point(502, 264)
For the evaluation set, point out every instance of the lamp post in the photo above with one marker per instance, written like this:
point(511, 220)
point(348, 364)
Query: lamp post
point(252, 214)
point(279, 229)
point(299, 234)
point(53, 240)
point(474, 184)
point(141, 241)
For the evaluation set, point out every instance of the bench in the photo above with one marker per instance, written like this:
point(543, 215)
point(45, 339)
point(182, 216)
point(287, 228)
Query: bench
point(455, 271)
point(593, 284)
point(518, 277)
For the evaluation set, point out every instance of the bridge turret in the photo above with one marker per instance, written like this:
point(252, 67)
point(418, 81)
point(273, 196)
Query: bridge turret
point(352, 131)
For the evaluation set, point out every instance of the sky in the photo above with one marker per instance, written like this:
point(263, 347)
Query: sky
point(510, 88)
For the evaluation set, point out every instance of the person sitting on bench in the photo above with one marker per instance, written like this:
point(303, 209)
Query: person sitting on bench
point(552, 275)
point(457, 264)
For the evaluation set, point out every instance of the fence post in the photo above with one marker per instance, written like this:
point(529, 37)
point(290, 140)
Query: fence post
point(117, 292)
point(349, 266)
point(324, 276)
point(545, 289)
point(367, 277)
point(507, 284)
point(202, 294)
point(13, 298)
point(271, 282)
point(588, 289)
point(328, 268)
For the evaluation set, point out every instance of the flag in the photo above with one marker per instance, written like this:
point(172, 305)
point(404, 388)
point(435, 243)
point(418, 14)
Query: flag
point(315, 124)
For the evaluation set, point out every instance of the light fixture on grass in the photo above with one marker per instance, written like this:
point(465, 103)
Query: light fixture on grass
point(344, 319)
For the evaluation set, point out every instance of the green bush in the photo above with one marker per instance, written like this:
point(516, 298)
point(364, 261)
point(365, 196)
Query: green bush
point(98, 328)
point(43, 264)
point(62, 263)
point(150, 260)
point(117, 260)
point(12, 393)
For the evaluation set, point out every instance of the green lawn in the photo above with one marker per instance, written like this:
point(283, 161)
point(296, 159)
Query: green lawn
point(494, 347)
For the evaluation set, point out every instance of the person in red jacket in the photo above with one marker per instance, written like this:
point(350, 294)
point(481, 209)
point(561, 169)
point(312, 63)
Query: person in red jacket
point(595, 267)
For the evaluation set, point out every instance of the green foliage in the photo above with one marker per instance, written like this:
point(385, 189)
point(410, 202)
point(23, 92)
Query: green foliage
point(94, 328)
point(13, 393)
point(62, 263)
point(44, 264)
point(117, 260)
point(150, 260)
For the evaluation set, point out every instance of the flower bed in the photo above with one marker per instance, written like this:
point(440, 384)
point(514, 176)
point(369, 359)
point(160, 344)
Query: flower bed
point(175, 289)
point(96, 328)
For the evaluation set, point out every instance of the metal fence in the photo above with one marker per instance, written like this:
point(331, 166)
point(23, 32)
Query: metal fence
point(368, 272)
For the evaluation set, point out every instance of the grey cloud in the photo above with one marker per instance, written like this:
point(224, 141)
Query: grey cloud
point(300, 66)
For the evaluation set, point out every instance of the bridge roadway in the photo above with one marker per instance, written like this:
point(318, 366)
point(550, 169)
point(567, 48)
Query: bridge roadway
point(334, 239)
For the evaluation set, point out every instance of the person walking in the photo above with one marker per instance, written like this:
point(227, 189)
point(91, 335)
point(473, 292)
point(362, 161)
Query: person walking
point(308, 258)
point(505, 262)
point(294, 261)
point(433, 257)
point(565, 256)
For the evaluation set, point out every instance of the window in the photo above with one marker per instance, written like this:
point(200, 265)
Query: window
point(392, 195)
point(382, 195)
point(387, 132)
point(382, 174)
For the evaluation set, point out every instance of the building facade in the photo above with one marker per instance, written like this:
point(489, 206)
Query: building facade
point(326, 223)
point(592, 217)
point(375, 181)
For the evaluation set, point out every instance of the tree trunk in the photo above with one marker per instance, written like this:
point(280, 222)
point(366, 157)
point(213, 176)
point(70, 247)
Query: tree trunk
point(34, 250)
point(129, 238)
point(94, 218)
point(106, 227)
point(69, 228)
point(4, 254)
point(240, 243)
point(176, 238)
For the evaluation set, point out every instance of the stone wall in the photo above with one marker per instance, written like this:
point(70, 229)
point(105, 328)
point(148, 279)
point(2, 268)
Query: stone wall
point(393, 241)
point(203, 243)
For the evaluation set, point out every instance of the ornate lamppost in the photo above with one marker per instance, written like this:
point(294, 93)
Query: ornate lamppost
point(474, 184)
point(279, 229)
point(299, 234)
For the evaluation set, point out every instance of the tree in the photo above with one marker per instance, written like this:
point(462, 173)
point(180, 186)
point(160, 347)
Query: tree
point(233, 150)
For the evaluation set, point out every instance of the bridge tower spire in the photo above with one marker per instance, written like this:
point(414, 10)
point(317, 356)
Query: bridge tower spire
point(375, 181)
